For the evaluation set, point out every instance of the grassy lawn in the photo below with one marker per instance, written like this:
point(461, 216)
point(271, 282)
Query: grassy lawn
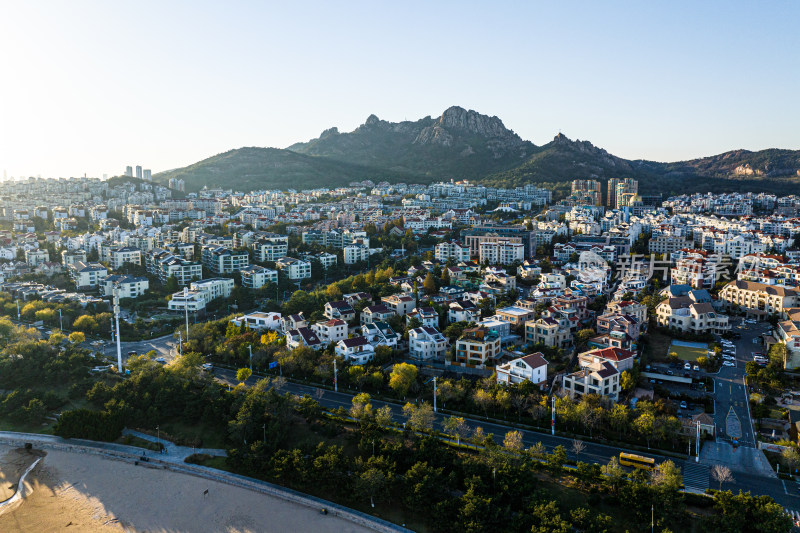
point(657, 346)
point(45, 427)
point(210, 437)
point(688, 353)
point(130, 440)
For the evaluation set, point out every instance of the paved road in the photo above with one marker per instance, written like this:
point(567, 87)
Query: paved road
point(165, 347)
point(730, 394)
point(784, 493)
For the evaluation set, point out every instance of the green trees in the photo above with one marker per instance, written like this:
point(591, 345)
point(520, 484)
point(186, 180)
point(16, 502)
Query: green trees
point(243, 374)
point(86, 424)
point(419, 417)
point(745, 513)
point(429, 284)
point(402, 378)
point(86, 324)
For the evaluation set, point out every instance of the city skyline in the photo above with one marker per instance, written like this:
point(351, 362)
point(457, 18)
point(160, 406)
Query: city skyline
point(96, 87)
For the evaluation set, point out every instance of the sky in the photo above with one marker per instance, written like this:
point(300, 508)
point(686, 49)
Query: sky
point(88, 87)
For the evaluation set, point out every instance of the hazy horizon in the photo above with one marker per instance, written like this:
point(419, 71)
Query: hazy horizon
point(92, 87)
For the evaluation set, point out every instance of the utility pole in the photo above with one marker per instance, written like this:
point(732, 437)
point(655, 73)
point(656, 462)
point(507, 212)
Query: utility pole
point(116, 318)
point(553, 418)
point(335, 375)
point(60, 321)
point(250, 347)
point(180, 345)
point(18, 315)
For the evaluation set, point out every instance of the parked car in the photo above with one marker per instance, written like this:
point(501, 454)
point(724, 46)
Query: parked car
point(696, 368)
point(670, 373)
point(687, 366)
point(683, 404)
point(728, 363)
point(161, 360)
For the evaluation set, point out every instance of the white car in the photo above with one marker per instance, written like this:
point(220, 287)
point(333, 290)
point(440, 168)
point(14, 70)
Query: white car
point(728, 363)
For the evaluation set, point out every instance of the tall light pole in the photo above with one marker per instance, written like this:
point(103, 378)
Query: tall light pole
point(18, 315)
point(434, 394)
point(116, 319)
point(335, 375)
point(697, 446)
point(186, 309)
point(180, 345)
point(60, 321)
point(250, 347)
point(553, 418)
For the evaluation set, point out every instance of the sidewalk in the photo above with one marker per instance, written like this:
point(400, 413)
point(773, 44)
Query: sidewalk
point(172, 450)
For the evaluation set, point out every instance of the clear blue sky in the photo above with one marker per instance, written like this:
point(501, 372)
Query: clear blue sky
point(94, 86)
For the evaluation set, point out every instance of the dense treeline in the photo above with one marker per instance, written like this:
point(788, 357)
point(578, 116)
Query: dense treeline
point(432, 485)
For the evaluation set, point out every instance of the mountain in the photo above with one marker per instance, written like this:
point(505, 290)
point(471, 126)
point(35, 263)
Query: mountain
point(458, 144)
point(253, 168)
point(466, 144)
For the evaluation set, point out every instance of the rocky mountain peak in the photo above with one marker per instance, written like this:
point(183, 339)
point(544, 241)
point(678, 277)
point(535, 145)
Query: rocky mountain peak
point(473, 122)
point(372, 119)
point(330, 132)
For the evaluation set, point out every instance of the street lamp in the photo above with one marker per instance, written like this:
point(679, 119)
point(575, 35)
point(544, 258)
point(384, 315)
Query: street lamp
point(116, 318)
point(186, 309)
point(60, 321)
point(434, 392)
point(250, 347)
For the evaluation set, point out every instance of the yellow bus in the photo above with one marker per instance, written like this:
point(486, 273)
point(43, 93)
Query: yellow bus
point(637, 461)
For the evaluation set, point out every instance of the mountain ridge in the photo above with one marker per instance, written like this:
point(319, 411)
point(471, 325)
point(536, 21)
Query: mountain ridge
point(463, 143)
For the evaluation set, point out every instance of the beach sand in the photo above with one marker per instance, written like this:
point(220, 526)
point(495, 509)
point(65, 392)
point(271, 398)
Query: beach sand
point(79, 492)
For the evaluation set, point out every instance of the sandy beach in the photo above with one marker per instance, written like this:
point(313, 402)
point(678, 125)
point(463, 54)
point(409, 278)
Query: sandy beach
point(79, 492)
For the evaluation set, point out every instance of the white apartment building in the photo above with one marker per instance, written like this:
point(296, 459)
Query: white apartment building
point(295, 269)
point(532, 367)
point(451, 250)
point(87, 275)
point(70, 256)
point(118, 257)
point(354, 253)
point(128, 286)
point(426, 343)
point(255, 276)
point(758, 298)
point(214, 288)
point(357, 350)
point(271, 249)
point(221, 260)
point(332, 330)
point(192, 300)
point(259, 320)
point(36, 256)
point(501, 252)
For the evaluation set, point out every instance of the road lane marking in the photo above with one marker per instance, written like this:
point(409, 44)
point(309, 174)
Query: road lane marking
point(784, 487)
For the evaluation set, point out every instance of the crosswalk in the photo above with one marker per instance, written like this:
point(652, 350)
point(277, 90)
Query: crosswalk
point(695, 476)
point(795, 516)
